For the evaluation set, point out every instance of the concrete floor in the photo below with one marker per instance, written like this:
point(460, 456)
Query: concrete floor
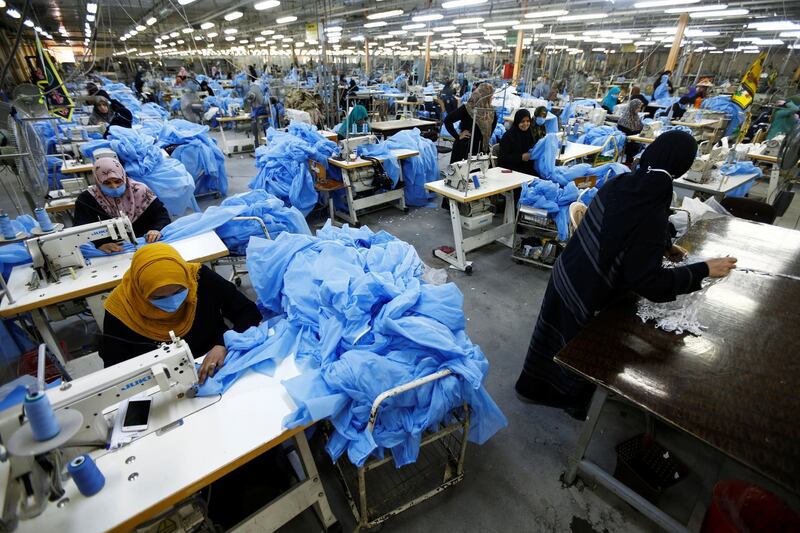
point(512, 482)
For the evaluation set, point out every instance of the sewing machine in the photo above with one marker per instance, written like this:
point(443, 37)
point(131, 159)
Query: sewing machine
point(462, 176)
point(234, 109)
point(55, 252)
point(772, 147)
point(703, 166)
point(85, 409)
point(348, 146)
point(652, 129)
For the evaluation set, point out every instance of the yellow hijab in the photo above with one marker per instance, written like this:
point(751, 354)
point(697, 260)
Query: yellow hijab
point(153, 266)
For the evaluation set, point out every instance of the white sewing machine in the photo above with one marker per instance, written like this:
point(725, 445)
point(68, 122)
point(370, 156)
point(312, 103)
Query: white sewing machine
point(347, 147)
point(85, 409)
point(772, 147)
point(652, 129)
point(234, 109)
point(702, 168)
point(56, 252)
point(459, 175)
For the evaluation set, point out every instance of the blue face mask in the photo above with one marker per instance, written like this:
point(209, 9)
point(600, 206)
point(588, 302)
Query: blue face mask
point(539, 121)
point(170, 304)
point(113, 193)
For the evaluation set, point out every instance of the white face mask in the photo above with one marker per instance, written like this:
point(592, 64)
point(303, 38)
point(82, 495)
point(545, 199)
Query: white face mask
point(651, 169)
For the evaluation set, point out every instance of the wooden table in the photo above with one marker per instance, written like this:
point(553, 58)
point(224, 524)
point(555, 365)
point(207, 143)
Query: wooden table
point(577, 151)
point(100, 276)
point(355, 187)
point(246, 422)
point(387, 128)
point(761, 157)
point(496, 182)
point(640, 139)
point(736, 387)
point(718, 187)
point(702, 123)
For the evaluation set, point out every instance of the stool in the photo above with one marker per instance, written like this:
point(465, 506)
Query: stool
point(328, 186)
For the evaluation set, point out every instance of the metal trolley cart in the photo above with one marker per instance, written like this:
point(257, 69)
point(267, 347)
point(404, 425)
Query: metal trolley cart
point(238, 263)
point(535, 238)
point(379, 490)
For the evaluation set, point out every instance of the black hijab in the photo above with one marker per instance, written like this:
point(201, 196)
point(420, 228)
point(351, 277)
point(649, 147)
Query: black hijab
point(523, 140)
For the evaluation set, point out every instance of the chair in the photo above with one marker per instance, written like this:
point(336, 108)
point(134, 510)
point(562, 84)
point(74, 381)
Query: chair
point(577, 210)
point(326, 186)
point(749, 209)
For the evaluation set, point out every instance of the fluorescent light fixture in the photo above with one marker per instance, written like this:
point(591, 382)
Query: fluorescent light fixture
point(423, 34)
point(385, 14)
point(455, 4)
point(701, 33)
point(500, 23)
point(716, 52)
point(185, 2)
point(468, 20)
point(286, 20)
point(775, 25)
point(790, 34)
point(198, 37)
point(719, 14)
point(134, 32)
point(230, 38)
point(212, 35)
point(28, 23)
point(90, 18)
point(261, 6)
point(546, 14)
point(174, 34)
point(138, 28)
point(598, 49)
point(333, 29)
point(357, 38)
point(691, 9)
point(663, 3)
point(453, 34)
point(206, 25)
point(187, 30)
point(443, 28)
point(528, 26)
point(644, 43)
point(768, 42)
point(427, 18)
point(585, 16)
point(230, 31)
point(377, 24)
point(473, 30)
point(180, 41)
point(267, 32)
point(278, 36)
point(244, 41)
point(165, 37)
point(233, 15)
point(151, 21)
point(91, 7)
point(413, 26)
point(496, 32)
point(287, 40)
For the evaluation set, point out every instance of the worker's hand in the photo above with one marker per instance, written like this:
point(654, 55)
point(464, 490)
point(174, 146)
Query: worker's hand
point(676, 254)
point(152, 236)
point(526, 156)
point(720, 267)
point(465, 135)
point(110, 248)
point(215, 359)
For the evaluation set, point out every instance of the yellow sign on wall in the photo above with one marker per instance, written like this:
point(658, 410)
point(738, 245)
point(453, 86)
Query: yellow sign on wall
point(311, 31)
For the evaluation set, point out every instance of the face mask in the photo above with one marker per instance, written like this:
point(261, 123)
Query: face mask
point(539, 121)
point(113, 193)
point(170, 304)
point(651, 169)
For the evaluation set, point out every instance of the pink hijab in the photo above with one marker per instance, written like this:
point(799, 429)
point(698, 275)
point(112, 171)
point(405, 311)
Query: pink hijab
point(136, 199)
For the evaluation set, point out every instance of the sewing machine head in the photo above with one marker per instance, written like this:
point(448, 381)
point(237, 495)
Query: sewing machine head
point(652, 129)
point(58, 253)
point(166, 374)
point(701, 169)
point(458, 175)
point(234, 109)
point(772, 147)
point(348, 146)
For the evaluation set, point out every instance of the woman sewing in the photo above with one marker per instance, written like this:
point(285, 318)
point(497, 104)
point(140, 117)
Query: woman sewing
point(517, 142)
point(611, 99)
point(160, 293)
point(630, 123)
point(477, 110)
point(113, 195)
point(618, 248)
point(101, 112)
point(355, 124)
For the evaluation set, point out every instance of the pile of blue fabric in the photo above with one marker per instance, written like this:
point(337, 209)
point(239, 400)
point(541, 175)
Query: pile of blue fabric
point(599, 135)
point(283, 164)
point(144, 161)
point(419, 170)
point(197, 151)
point(741, 167)
point(353, 308)
point(153, 111)
point(567, 174)
point(555, 199)
point(724, 104)
point(16, 253)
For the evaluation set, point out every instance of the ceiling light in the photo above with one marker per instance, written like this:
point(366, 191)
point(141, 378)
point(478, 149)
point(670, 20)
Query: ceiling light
point(287, 40)
point(495, 32)
point(180, 41)
point(185, 2)
point(377, 24)
point(500, 23)
point(134, 32)
point(455, 4)
point(790, 34)
point(230, 38)
point(260, 39)
point(286, 20)
point(663, 3)
point(454, 34)
point(269, 4)
point(230, 31)
point(277, 35)
point(469, 20)
point(244, 41)
point(91, 7)
point(775, 25)
point(165, 37)
point(212, 35)
point(333, 29)
point(473, 30)
point(443, 28)
point(398, 32)
point(174, 34)
point(13, 13)
point(187, 30)
point(423, 34)
point(585, 16)
point(768, 42)
point(28, 23)
point(198, 37)
point(233, 15)
point(720, 13)
point(139, 27)
point(385, 14)
point(544, 14)
point(413, 26)
point(529, 26)
point(678, 10)
point(90, 18)
point(357, 38)
point(426, 18)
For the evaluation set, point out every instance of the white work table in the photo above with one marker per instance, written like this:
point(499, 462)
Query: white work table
point(702, 123)
point(719, 186)
point(76, 167)
point(400, 153)
point(495, 182)
point(575, 151)
point(153, 473)
point(100, 275)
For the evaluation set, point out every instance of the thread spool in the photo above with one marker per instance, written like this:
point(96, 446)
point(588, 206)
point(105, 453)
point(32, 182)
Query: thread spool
point(43, 219)
point(86, 475)
point(6, 228)
point(44, 425)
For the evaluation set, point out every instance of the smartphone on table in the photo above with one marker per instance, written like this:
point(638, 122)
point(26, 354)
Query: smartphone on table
point(137, 415)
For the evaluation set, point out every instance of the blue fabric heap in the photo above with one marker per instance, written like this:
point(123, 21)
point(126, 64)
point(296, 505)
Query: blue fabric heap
point(419, 170)
point(556, 200)
point(741, 167)
point(354, 310)
point(197, 151)
point(283, 164)
point(724, 104)
point(144, 161)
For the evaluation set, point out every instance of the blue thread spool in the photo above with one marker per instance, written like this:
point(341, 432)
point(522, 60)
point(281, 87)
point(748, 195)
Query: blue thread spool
point(40, 414)
point(43, 219)
point(86, 475)
point(6, 228)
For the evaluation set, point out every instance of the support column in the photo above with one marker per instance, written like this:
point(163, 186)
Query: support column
point(672, 58)
point(366, 52)
point(517, 57)
point(427, 59)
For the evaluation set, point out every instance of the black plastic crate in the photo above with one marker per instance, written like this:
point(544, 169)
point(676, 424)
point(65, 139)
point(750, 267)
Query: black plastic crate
point(647, 467)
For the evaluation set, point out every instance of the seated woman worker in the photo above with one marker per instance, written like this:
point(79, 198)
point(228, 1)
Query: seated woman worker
point(160, 293)
point(113, 195)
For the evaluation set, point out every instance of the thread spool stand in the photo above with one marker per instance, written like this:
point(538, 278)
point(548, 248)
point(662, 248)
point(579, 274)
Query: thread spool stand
point(22, 443)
